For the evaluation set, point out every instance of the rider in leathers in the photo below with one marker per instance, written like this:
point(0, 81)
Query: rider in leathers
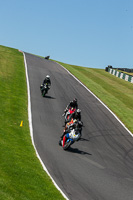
point(72, 104)
point(75, 115)
point(46, 81)
point(74, 124)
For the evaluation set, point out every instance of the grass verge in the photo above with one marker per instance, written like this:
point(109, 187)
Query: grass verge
point(116, 93)
point(21, 174)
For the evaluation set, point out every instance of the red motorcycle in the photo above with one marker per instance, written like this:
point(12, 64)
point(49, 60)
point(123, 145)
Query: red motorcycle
point(68, 113)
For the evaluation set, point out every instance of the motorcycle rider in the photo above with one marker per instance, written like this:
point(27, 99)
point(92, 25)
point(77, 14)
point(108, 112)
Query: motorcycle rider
point(74, 123)
point(75, 115)
point(77, 125)
point(73, 104)
point(46, 81)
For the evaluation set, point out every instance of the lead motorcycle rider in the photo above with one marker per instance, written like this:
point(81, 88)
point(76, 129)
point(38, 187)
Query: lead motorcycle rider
point(46, 81)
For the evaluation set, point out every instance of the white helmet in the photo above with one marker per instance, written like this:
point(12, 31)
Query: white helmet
point(47, 76)
point(78, 111)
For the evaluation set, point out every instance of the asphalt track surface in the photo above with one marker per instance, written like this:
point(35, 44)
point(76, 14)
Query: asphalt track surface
point(100, 165)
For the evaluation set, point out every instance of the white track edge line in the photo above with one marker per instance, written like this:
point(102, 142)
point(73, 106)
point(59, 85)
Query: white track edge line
point(98, 100)
point(31, 129)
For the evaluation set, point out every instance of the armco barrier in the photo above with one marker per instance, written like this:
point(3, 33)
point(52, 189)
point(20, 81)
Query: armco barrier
point(121, 75)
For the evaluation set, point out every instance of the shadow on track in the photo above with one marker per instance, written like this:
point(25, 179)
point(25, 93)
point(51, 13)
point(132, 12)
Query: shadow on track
point(83, 139)
point(75, 150)
point(49, 97)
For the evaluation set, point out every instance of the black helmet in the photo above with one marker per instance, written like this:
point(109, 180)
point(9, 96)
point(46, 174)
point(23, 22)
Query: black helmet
point(75, 100)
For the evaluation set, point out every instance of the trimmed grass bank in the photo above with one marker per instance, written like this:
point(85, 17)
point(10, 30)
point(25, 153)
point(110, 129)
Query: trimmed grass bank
point(21, 174)
point(116, 93)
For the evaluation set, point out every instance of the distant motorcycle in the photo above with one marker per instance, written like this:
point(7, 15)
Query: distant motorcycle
point(70, 138)
point(44, 89)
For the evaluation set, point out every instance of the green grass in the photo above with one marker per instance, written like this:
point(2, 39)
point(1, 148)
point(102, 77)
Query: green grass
point(21, 174)
point(116, 93)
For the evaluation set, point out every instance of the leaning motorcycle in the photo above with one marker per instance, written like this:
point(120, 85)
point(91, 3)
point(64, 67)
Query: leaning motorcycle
point(71, 137)
point(68, 113)
point(44, 89)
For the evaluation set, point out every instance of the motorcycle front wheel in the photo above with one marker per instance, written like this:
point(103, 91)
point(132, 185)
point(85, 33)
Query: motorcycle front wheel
point(43, 93)
point(67, 145)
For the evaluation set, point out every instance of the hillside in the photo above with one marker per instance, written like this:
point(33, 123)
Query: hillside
point(116, 93)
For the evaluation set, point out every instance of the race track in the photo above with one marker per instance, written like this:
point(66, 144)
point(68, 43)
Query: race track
point(100, 165)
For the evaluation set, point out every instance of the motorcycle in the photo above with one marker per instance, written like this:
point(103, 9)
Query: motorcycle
point(68, 113)
point(70, 138)
point(44, 89)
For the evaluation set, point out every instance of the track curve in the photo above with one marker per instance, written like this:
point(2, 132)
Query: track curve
point(100, 165)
